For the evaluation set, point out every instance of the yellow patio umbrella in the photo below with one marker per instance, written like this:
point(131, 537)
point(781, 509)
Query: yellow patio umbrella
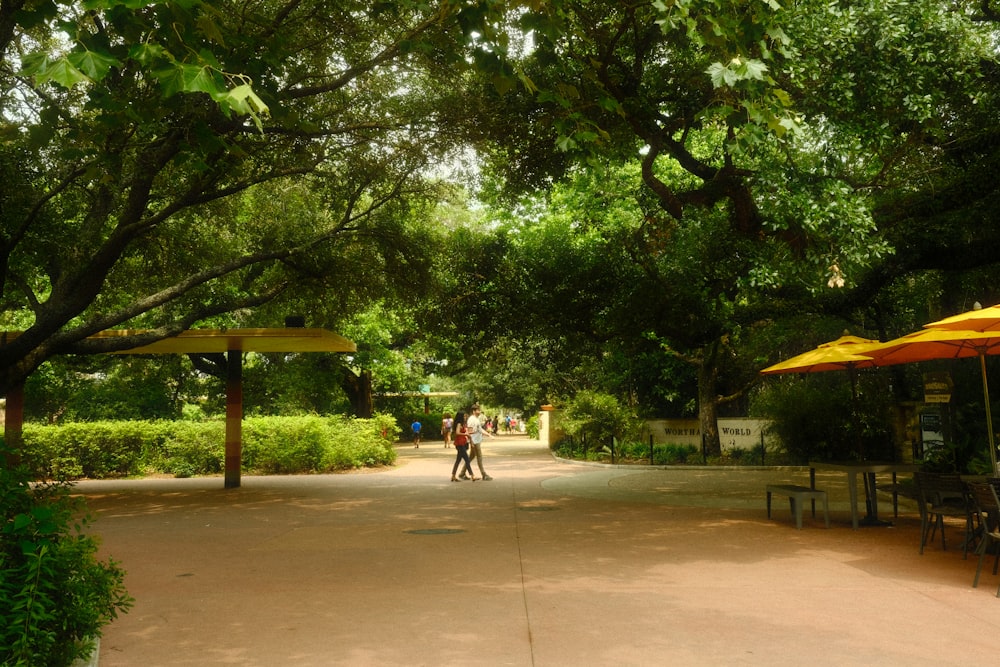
point(932, 343)
point(846, 353)
point(977, 319)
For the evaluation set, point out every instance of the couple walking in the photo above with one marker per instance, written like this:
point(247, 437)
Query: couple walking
point(468, 432)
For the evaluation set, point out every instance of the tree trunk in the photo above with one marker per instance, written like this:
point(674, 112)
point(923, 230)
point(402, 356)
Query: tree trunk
point(708, 403)
point(359, 391)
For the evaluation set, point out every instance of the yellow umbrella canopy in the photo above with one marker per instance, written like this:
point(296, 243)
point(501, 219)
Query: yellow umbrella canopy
point(945, 343)
point(846, 352)
point(930, 344)
point(977, 319)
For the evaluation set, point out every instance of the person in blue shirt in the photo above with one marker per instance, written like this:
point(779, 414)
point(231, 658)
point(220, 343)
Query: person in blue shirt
point(416, 426)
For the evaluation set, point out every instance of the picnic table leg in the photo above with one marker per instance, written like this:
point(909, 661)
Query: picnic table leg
point(812, 485)
point(796, 506)
point(895, 496)
point(852, 490)
point(871, 497)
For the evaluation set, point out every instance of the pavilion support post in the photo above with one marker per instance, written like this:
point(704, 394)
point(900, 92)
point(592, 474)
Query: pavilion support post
point(234, 417)
point(13, 425)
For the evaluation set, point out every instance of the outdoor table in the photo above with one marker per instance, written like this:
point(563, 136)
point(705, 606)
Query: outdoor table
point(869, 470)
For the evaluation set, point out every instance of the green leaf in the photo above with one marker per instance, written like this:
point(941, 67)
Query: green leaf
point(609, 103)
point(210, 29)
point(717, 72)
point(182, 78)
point(783, 97)
point(526, 81)
point(777, 34)
point(146, 53)
point(171, 79)
point(63, 72)
point(199, 79)
point(22, 521)
point(754, 69)
point(565, 143)
point(34, 63)
point(503, 83)
point(94, 64)
point(789, 124)
point(242, 100)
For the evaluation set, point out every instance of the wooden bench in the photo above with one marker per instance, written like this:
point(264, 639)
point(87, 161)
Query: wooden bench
point(797, 495)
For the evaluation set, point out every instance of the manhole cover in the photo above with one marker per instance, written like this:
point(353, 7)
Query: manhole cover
point(435, 531)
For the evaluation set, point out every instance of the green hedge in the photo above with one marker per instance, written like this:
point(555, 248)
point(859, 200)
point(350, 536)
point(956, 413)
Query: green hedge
point(271, 445)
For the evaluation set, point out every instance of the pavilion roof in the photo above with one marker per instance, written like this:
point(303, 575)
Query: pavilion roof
point(194, 341)
point(206, 341)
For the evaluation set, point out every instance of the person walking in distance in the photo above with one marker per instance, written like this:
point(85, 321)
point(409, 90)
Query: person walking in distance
point(446, 428)
point(461, 433)
point(476, 432)
point(415, 426)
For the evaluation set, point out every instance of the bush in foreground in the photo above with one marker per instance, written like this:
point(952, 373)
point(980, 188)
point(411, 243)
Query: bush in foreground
point(55, 595)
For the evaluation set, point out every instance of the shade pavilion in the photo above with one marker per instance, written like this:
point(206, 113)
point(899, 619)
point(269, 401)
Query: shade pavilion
point(231, 342)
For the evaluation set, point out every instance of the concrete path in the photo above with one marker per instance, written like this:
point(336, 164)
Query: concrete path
point(549, 564)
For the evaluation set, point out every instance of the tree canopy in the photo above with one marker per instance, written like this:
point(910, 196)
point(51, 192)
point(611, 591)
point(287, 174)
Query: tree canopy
point(781, 150)
point(667, 192)
point(159, 155)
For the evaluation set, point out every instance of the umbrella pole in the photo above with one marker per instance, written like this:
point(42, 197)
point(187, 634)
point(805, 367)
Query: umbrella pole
point(859, 446)
point(871, 508)
point(989, 413)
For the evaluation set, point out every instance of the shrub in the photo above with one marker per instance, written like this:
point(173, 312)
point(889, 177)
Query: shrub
point(595, 418)
point(808, 418)
point(532, 427)
point(90, 449)
point(670, 454)
point(191, 448)
point(355, 444)
point(271, 445)
point(387, 428)
point(55, 595)
point(816, 417)
point(632, 451)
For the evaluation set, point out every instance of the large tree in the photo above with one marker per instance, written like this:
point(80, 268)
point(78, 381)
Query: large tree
point(766, 134)
point(129, 130)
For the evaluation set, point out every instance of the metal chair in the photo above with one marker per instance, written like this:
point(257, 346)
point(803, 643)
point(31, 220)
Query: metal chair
point(941, 495)
point(984, 495)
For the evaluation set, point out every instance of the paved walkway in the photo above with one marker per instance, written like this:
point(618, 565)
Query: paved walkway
point(549, 564)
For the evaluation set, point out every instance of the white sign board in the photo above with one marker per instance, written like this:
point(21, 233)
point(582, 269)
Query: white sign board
point(735, 432)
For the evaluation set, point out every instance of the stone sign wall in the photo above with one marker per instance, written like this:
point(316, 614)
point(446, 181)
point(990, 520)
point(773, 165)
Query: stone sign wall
point(735, 433)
